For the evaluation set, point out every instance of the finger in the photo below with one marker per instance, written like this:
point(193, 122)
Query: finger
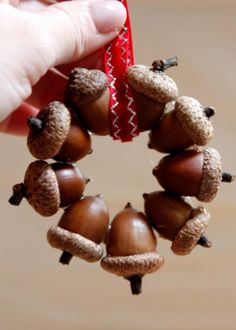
point(93, 61)
point(16, 122)
point(75, 29)
point(50, 88)
point(60, 34)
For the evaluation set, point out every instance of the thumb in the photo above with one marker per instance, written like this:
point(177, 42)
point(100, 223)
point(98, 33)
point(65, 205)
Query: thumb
point(75, 29)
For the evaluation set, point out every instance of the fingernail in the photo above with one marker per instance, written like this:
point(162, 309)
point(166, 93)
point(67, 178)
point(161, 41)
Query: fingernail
point(108, 15)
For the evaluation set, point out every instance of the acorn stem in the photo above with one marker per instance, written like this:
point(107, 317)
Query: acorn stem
point(209, 112)
point(204, 242)
point(35, 124)
point(145, 195)
point(128, 205)
point(19, 192)
point(65, 258)
point(162, 65)
point(227, 177)
point(135, 284)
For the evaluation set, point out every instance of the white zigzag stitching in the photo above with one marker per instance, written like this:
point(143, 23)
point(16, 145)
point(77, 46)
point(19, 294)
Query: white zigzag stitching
point(130, 109)
point(123, 42)
point(113, 93)
point(122, 37)
point(129, 98)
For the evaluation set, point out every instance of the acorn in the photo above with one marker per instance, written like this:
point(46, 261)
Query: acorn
point(131, 248)
point(81, 230)
point(47, 187)
point(56, 133)
point(192, 173)
point(88, 94)
point(176, 220)
point(186, 125)
point(152, 89)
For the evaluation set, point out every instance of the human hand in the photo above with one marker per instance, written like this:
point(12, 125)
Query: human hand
point(36, 38)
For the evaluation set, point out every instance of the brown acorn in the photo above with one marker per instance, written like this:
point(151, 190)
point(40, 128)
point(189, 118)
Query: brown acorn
point(47, 187)
point(131, 248)
point(192, 173)
point(152, 90)
point(56, 133)
point(186, 125)
point(176, 220)
point(88, 94)
point(81, 230)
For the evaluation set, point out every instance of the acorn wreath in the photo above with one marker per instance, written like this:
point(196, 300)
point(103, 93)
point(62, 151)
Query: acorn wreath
point(121, 102)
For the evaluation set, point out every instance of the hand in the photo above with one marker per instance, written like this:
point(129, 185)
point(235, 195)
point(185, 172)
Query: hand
point(40, 43)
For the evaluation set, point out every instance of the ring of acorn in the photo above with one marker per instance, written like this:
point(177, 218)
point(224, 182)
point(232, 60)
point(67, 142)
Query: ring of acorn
point(190, 168)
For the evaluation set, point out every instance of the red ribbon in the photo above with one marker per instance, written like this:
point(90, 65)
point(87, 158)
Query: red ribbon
point(118, 56)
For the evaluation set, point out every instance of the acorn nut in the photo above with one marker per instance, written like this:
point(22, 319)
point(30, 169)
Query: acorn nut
point(176, 220)
point(186, 125)
point(88, 94)
point(81, 230)
point(56, 133)
point(131, 248)
point(152, 90)
point(47, 187)
point(192, 173)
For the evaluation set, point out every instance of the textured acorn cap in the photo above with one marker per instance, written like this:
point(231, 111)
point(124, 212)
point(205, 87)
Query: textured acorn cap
point(42, 190)
point(190, 233)
point(56, 121)
point(139, 264)
point(75, 244)
point(154, 84)
point(85, 86)
point(211, 175)
point(193, 119)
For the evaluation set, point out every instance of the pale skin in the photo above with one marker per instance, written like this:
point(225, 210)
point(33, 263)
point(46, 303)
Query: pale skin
point(40, 43)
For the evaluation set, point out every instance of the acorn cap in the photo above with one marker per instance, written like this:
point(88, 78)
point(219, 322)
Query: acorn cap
point(190, 233)
point(42, 190)
point(47, 142)
point(193, 119)
point(139, 264)
point(154, 84)
point(75, 244)
point(211, 175)
point(85, 86)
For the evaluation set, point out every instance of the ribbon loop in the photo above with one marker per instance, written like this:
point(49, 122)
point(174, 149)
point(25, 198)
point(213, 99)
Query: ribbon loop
point(118, 56)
